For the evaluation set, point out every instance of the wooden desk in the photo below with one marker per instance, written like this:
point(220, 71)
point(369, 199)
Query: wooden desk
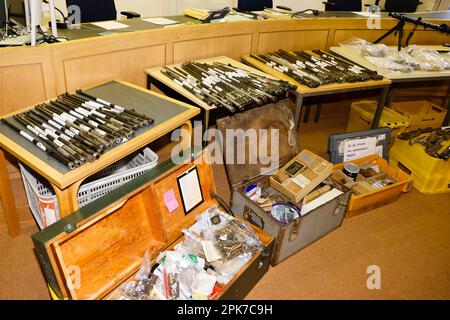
point(169, 115)
point(304, 91)
point(400, 77)
point(155, 77)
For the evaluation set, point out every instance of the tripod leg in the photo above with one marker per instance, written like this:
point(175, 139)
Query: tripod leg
point(410, 36)
point(400, 36)
point(388, 33)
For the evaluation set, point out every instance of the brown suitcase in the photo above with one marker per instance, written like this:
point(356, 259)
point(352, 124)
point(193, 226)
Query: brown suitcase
point(108, 238)
point(303, 231)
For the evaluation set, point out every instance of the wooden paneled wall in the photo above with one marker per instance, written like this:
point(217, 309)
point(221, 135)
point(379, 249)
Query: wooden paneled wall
point(31, 75)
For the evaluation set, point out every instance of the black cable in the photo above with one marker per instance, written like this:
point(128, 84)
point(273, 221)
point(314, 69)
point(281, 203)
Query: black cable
point(62, 14)
point(46, 38)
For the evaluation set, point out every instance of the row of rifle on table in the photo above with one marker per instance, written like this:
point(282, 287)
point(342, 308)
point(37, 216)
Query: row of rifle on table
point(223, 85)
point(77, 128)
point(316, 69)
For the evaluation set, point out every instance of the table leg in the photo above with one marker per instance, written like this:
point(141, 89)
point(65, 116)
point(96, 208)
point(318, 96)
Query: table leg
point(307, 112)
point(149, 82)
point(319, 110)
point(67, 199)
point(205, 130)
point(186, 135)
point(298, 110)
point(391, 94)
point(380, 107)
point(447, 105)
point(447, 116)
point(7, 198)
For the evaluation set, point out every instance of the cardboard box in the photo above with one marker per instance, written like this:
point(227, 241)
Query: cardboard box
point(420, 113)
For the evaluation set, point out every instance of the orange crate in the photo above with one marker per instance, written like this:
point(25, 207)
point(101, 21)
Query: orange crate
point(377, 198)
point(420, 113)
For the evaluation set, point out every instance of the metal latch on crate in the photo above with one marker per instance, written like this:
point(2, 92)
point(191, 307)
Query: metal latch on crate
point(264, 254)
point(252, 217)
point(342, 204)
point(295, 229)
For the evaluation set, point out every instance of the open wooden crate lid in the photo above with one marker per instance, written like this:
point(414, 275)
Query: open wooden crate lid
point(271, 116)
point(105, 241)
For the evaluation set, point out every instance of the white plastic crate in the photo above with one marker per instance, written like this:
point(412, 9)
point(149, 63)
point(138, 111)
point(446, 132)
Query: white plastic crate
point(41, 199)
point(44, 204)
point(116, 175)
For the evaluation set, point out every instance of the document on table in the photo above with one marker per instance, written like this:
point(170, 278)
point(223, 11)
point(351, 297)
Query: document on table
point(161, 21)
point(111, 25)
point(359, 148)
point(367, 14)
point(190, 189)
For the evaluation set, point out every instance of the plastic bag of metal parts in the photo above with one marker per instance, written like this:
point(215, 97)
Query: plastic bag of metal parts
point(235, 238)
point(397, 64)
point(366, 48)
point(225, 271)
point(429, 60)
point(192, 244)
point(382, 56)
point(142, 286)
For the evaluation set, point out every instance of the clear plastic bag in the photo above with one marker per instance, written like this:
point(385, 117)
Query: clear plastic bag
point(235, 239)
point(225, 271)
point(176, 273)
point(141, 288)
point(429, 60)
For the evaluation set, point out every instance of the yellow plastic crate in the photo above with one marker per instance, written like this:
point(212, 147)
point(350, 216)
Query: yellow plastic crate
point(420, 113)
point(430, 175)
point(362, 113)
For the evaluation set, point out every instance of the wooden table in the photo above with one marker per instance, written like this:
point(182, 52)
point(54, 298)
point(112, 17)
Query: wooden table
point(335, 88)
point(400, 77)
point(168, 113)
point(158, 79)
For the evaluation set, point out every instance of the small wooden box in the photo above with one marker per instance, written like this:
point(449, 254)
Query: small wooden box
point(308, 166)
point(105, 241)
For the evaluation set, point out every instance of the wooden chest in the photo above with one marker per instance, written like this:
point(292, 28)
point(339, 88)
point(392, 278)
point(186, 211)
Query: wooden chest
point(105, 241)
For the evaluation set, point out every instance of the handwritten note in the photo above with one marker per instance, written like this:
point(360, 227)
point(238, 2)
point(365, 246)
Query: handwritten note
point(170, 201)
point(359, 148)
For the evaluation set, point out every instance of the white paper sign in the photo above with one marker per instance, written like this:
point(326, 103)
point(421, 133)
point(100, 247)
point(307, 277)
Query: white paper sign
point(359, 148)
point(380, 151)
point(160, 21)
point(111, 25)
